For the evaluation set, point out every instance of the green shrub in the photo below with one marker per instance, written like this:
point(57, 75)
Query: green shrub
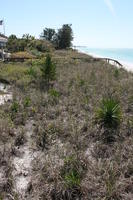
point(109, 113)
point(48, 69)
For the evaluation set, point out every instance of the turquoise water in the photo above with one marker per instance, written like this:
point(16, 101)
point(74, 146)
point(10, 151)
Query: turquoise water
point(124, 55)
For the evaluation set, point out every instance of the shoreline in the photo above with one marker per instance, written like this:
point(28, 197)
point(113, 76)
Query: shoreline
point(126, 65)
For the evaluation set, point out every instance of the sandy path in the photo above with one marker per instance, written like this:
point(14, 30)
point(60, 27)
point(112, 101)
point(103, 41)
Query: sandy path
point(22, 170)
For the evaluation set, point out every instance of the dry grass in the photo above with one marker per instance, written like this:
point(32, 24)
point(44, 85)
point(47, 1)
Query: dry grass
point(65, 129)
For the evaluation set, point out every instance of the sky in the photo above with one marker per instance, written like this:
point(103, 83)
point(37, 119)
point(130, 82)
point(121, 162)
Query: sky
point(95, 23)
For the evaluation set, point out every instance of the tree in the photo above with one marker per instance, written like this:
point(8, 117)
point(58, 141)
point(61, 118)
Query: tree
point(48, 34)
point(28, 37)
point(64, 37)
point(12, 44)
point(48, 69)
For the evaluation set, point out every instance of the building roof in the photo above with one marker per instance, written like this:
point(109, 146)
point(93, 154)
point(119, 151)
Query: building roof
point(3, 39)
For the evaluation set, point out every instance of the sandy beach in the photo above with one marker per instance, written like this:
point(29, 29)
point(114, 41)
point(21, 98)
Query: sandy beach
point(127, 65)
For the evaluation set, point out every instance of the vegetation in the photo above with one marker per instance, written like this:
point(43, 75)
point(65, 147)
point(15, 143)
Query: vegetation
point(28, 43)
point(48, 70)
point(109, 113)
point(48, 40)
point(48, 34)
point(50, 147)
point(64, 37)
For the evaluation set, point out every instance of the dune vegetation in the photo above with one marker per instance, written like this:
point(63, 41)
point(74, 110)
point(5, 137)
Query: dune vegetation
point(67, 133)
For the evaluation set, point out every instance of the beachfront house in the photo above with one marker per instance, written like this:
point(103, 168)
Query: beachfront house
point(3, 41)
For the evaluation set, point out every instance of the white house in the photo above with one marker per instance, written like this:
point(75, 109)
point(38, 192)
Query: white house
point(3, 41)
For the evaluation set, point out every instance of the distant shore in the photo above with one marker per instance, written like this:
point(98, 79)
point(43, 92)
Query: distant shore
point(127, 65)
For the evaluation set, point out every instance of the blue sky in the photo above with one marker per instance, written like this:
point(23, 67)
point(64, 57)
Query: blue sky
point(96, 23)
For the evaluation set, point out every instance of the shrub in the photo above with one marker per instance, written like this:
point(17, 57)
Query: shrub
point(109, 113)
point(48, 69)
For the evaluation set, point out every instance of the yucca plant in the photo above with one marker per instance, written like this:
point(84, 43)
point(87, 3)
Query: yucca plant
point(109, 113)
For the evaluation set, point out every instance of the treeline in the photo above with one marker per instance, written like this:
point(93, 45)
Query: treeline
point(49, 39)
point(27, 42)
point(61, 39)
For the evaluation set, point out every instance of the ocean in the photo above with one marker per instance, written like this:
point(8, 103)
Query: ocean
point(124, 56)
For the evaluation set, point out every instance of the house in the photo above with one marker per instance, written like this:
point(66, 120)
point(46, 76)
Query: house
point(3, 41)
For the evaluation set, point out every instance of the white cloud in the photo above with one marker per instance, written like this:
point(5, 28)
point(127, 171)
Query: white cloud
point(110, 6)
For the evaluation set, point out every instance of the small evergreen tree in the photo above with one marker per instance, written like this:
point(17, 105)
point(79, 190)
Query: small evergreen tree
point(48, 70)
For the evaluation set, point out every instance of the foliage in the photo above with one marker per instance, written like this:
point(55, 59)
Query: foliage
point(48, 34)
point(109, 113)
point(27, 43)
point(48, 69)
point(61, 39)
point(64, 37)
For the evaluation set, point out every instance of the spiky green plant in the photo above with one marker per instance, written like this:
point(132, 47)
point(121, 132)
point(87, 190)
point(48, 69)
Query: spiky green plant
point(109, 113)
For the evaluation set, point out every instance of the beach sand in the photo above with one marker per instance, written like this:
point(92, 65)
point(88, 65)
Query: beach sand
point(128, 66)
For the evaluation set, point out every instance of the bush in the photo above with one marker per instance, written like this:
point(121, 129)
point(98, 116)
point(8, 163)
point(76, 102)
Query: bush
point(109, 113)
point(48, 69)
